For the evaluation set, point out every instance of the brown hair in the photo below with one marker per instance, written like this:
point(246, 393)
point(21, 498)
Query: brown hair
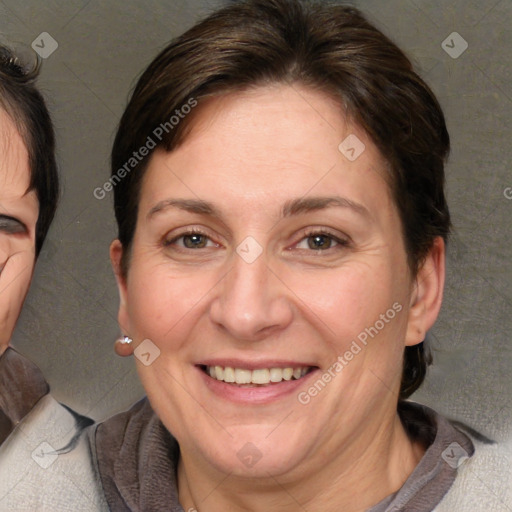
point(24, 104)
point(323, 45)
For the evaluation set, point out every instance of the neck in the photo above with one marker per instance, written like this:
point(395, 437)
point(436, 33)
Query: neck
point(353, 480)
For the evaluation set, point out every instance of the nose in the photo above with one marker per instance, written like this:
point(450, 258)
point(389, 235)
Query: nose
point(252, 302)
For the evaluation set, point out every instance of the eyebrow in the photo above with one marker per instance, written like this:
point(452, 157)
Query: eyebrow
point(290, 208)
point(310, 204)
point(190, 205)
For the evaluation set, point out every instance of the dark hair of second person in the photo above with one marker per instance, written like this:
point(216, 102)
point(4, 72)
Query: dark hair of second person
point(25, 105)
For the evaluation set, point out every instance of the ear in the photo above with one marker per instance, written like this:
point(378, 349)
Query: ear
point(116, 254)
point(427, 294)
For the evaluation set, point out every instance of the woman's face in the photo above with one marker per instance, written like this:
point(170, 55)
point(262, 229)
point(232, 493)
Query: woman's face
point(18, 216)
point(262, 251)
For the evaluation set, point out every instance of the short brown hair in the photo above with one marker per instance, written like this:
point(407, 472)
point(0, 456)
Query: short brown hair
point(322, 45)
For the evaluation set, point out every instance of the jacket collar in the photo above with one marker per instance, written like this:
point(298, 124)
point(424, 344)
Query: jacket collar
point(137, 460)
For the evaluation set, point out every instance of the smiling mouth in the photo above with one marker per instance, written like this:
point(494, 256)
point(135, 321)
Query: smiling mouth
point(255, 378)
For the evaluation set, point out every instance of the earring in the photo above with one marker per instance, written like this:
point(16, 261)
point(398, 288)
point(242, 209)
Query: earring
point(123, 346)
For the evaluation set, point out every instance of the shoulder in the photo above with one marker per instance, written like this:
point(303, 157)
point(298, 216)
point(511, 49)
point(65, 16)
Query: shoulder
point(484, 481)
point(46, 463)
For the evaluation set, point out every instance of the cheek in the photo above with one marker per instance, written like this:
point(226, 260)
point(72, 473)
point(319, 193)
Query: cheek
point(14, 283)
point(360, 315)
point(163, 305)
point(350, 298)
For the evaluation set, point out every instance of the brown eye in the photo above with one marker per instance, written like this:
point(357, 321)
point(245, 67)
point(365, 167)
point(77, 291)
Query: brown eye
point(195, 241)
point(190, 240)
point(320, 242)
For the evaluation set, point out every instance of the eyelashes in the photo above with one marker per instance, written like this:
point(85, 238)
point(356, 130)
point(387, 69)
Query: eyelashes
point(11, 226)
point(193, 239)
point(319, 241)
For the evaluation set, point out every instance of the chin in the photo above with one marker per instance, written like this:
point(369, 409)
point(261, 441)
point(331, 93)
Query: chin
point(251, 452)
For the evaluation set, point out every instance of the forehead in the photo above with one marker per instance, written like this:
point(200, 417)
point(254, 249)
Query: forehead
point(268, 143)
point(14, 160)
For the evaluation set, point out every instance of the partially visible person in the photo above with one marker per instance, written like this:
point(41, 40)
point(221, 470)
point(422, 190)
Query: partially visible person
point(44, 460)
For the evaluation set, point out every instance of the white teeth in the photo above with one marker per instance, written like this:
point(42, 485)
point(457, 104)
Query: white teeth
point(229, 374)
point(287, 373)
point(276, 375)
point(242, 376)
point(261, 376)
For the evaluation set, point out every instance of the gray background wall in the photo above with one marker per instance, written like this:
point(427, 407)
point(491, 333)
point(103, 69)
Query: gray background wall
point(69, 321)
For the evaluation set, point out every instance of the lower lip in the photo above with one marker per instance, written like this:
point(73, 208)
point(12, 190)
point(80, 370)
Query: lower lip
point(257, 394)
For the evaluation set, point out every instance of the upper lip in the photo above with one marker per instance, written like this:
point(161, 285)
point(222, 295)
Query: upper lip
point(254, 364)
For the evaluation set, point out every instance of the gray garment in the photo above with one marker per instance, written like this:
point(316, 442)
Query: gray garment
point(437, 470)
point(137, 460)
point(45, 461)
point(46, 464)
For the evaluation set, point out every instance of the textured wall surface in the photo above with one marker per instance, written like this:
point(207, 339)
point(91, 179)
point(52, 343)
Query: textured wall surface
point(69, 321)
